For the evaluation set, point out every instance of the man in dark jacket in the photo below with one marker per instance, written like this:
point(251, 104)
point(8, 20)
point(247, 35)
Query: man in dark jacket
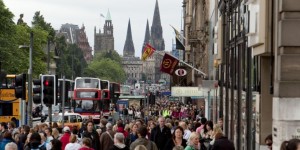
point(160, 134)
point(222, 143)
point(92, 134)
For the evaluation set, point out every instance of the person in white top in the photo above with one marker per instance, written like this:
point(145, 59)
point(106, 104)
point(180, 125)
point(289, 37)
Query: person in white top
point(49, 136)
point(73, 145)
point(187, 132)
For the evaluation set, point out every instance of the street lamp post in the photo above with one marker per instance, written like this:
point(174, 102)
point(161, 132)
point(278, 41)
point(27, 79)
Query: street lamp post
point(29, 110)
point(29, 107)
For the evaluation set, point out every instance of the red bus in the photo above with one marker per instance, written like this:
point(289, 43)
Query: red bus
point(88, 96)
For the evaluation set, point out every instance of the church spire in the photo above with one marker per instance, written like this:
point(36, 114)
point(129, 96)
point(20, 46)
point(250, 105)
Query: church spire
point(147, 36)
point(108, 16)
point(156, 16)
point(128, 50)
point(156, 30)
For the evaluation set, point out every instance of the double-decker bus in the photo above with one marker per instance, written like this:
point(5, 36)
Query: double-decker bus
point(87, 97)
point(9, 104)
point(94, 97)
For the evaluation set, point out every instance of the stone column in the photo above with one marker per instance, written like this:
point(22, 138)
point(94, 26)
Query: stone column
point(264, 104)
point(286, 100)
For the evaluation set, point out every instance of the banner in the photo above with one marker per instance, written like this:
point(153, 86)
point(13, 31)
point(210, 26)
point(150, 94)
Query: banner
point(148, 51)
point(179, 45)
point(168, 64)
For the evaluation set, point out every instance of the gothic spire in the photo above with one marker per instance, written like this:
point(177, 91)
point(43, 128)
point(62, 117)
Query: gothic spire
point(156, 30)
point(128, 50)
point(156, 16)
point(147, 36)
point(108, 17)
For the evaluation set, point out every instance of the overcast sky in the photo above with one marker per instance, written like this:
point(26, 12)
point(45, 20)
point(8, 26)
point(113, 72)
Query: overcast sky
point(87, 12)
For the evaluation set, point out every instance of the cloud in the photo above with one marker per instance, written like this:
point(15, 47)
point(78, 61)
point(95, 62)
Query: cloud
point(88, 12)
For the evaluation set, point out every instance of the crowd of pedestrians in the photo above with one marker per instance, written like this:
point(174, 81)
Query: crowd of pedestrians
point(164, 126)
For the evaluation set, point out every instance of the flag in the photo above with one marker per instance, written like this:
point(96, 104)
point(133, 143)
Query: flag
point(179, 45)
point(148, 51)
point(168, 64)
point(178, 36)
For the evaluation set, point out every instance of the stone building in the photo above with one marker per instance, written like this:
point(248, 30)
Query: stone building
point(128, 50)
point(195, 15)
point(83, 44)
point(70, 32)
point(133, 68)
point(76, 35)
point(152, 64)
point(149, 64)
point(132, 65)
point(104, 41)
point(157, 39)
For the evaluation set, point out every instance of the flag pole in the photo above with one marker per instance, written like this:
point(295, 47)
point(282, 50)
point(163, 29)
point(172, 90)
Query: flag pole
point(181, 61)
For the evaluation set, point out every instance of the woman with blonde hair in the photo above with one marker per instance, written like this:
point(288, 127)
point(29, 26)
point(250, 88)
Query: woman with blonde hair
point(55, 134)
point(193, 142)
point(73, 145)
point(217, 129)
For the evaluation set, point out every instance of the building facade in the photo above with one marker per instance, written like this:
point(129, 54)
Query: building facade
point(75, 35)
point(70, 32)
point(152, 64)
point(157, 39)
point(196, 33)
point(257, 65)
point(133, 67)
point(83, 44)
point(104, 41)
point(129, 50)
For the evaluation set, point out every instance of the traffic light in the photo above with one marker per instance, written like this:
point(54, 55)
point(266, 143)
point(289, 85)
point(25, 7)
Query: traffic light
point(37, 92)
point(49, 89)
point(20, 86)
point(60, 90)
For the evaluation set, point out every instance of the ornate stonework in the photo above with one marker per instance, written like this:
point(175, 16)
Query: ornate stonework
point(104, 41)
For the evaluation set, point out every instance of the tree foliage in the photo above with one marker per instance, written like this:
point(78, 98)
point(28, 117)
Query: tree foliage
point(39, 22)
point(15, 60)
point(106, 65)
point(7, 28)
point(71, 62)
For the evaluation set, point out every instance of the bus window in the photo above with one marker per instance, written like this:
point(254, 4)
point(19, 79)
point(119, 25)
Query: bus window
point(6, 109)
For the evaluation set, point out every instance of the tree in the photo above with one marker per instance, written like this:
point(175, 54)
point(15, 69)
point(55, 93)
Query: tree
point(39, 22)
point(111, 54)
point(7, 28)
point(106, 69)
point(106, 65)
point(71, 62)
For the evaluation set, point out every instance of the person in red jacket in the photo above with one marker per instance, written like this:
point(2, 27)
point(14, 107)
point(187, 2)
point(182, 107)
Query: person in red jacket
point(65, 139)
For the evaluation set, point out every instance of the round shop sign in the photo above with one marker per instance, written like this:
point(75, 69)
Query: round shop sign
point(180, 72)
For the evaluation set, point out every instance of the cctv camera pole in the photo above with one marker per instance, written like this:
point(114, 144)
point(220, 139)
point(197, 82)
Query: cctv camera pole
point(29, 108)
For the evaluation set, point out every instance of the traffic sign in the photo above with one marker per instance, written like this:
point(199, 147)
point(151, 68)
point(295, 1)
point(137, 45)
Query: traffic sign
point(180, 72)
